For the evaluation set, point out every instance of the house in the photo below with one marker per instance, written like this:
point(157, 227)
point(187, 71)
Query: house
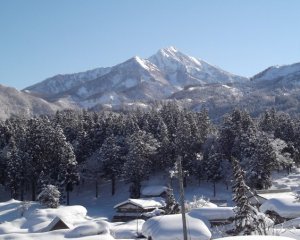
point(154, 191)
point(137, 208)
point(56, 224)
point(262, 196)
point(215, 215)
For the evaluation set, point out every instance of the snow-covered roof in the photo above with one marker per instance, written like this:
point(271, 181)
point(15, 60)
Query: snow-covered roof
point(54, 222)
point(285, 207)
point(154, 190)
point(270, 195)
point(168, 227)
point(144, 203)
point(213, 213)
point(127, 230)
point(90, 228)
point(293, 223)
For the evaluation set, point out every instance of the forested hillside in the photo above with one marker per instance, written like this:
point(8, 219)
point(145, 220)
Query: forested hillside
point(60, 150)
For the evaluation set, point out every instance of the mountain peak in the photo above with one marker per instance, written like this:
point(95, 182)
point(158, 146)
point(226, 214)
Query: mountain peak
point(137, 59)
point(169, 49)
point(168, 52)
point(142, 62)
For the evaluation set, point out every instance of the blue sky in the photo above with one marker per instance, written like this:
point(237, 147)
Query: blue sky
point(39, 39)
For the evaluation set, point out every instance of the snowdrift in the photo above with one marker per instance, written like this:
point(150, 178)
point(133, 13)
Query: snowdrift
point(170, 227)
point(255, 237)
point(284, 207)
point(213, 213)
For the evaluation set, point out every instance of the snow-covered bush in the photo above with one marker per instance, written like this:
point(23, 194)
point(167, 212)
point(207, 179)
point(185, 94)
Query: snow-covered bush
point(172, 206)
point(49, 196)
point(199, 202)
point(24, 207)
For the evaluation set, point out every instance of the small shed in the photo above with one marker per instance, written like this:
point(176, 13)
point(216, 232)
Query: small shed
point(56, 224)
point(154, 191)
point(135, 208)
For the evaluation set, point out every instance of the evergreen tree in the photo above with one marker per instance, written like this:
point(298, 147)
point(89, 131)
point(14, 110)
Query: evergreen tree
point(247, 219)
point(245, 146)
point(267, 122)
point(49, 196)
point(142, 146)
point(213, 166)
point(232, 128)
point(204, 125)
point(183, 144)
point(15, 170)
point(111, 160)
point(172, 206)
point(261, 163)
point(285, 128)
point(165, 154)
point(49, 152)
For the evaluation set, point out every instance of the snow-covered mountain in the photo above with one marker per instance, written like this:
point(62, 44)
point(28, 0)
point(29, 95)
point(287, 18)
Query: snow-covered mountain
point(182, 70)
point(167, 75)
point(285, 72)
point(64, 82)
point(136, 79)
point(14, 102)
point(284, 78)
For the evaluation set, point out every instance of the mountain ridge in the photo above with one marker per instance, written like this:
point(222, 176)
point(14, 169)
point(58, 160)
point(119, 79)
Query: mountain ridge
point(166, 75)
point(154, 78)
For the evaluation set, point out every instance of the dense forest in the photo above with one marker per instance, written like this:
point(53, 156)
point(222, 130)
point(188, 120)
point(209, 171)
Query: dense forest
point(64, 149)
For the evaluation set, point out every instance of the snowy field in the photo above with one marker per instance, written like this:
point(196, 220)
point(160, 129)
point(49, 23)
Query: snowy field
point(89, 217)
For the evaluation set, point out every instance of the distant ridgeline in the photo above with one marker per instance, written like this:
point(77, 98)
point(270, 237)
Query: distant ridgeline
point(167, 75)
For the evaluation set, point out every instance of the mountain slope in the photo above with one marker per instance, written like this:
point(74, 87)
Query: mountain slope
point(136, 79)
point(279, 77)
point(182, 70)
point(14, 102)
point(61, 83)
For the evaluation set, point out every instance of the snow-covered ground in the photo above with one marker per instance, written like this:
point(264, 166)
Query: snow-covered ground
point(89, 216)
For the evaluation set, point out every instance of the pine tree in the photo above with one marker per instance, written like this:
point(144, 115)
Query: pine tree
point(204, 125)
point(111, 160)
point(171, 204)
point(267, 122)
point(15, 170)
point(49, 152)
point(285, 128)
point(261, 163)
point(165, 155)
point(247, 219)
point(142, 146)
point(183, 144)
point(233, 126)
point(213, 166)
point(49, 196)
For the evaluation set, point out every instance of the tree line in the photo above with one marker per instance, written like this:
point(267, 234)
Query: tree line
point(59, 150)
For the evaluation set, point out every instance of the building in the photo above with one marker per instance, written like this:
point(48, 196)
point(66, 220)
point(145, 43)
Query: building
point(56, 224)
point(136, 208)
point(154, 191)
point(262, 196)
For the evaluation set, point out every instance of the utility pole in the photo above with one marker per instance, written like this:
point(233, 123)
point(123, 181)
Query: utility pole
point(180, 178)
